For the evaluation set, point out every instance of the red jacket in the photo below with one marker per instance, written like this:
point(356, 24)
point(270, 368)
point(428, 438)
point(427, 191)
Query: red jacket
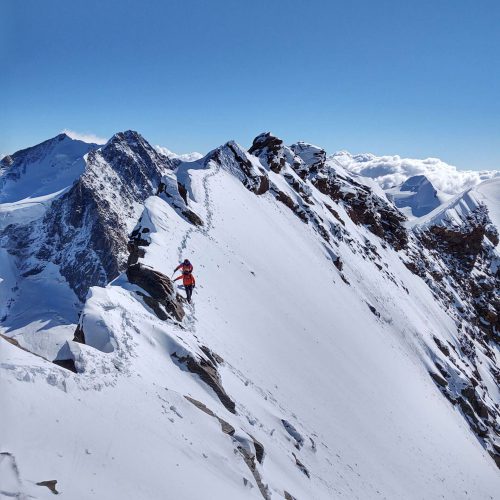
point(187, 279)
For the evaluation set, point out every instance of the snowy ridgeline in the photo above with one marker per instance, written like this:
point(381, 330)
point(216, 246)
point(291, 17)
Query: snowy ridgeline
point(334, 348)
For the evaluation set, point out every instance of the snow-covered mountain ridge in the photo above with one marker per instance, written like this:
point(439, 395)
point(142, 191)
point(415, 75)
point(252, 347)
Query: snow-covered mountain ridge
point(312, 365)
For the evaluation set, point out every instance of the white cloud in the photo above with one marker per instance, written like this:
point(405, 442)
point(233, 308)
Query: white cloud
point(391, 171)
point(85, 137)
point(183, 157)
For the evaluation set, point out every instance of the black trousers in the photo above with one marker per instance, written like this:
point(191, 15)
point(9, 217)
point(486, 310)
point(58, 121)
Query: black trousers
point(189, 292)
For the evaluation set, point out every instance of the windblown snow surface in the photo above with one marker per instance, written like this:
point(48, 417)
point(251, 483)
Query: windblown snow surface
point(336, 401)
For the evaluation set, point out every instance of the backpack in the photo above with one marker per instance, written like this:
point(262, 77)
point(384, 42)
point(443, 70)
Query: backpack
point(187, 269)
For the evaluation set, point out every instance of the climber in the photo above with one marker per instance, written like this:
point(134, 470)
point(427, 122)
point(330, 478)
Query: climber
point(189, 283)
point(186, 266)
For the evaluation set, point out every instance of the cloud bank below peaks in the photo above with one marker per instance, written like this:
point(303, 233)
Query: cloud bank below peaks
point(390, 171)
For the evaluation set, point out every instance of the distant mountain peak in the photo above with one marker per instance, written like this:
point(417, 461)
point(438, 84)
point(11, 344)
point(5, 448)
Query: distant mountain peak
point(416, 183)
point(129, 136)
point(417, 195)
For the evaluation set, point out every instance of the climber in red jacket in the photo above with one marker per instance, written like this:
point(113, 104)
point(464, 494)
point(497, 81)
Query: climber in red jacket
point(189, 283)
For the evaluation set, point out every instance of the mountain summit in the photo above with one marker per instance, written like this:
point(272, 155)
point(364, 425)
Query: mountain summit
point(416, 194)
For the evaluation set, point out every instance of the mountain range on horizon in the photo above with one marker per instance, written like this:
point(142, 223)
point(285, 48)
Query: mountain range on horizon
point(342, 341)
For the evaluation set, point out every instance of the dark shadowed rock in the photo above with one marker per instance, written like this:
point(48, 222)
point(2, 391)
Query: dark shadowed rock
point(270, 149)
point(51, 485)
point(207, 371)
point(301, 466)
point(161, 296)
point(68, 364)
point(79, 335)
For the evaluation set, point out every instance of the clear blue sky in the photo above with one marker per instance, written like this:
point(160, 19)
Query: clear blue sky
point(415, 78)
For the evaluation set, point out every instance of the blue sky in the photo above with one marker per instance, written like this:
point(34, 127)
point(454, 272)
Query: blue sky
point(415, 78)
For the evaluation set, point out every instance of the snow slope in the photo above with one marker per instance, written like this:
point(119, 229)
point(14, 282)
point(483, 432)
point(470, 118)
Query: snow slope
point(330, 378)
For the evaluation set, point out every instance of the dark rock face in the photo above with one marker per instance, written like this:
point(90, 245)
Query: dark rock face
point(302, 163)
point(455, 259)
point(313, 158)
point(79, 335)
point(69, 364)
point(85, 230)
point(136, 244)
point(206, 369)
point(51, 485)
point(270, 149)
point(160, 296)
point(467, 260)
point(365, 208)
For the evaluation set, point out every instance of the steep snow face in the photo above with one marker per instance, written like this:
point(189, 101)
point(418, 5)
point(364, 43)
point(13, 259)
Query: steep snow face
point(81, 240)
point(307, 367)
point(391, 171)
point(416, 196)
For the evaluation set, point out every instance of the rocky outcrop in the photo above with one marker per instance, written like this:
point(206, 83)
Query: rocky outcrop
point(235, 160)
point(160, 295)
point(365, 207)
point(249, 459)
point(466, 259)
point(176, 196)
point(50, 484)
point(137, 241)
point(304, 164)
point(270, 150)
point(206, 368)
point(313, 159)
